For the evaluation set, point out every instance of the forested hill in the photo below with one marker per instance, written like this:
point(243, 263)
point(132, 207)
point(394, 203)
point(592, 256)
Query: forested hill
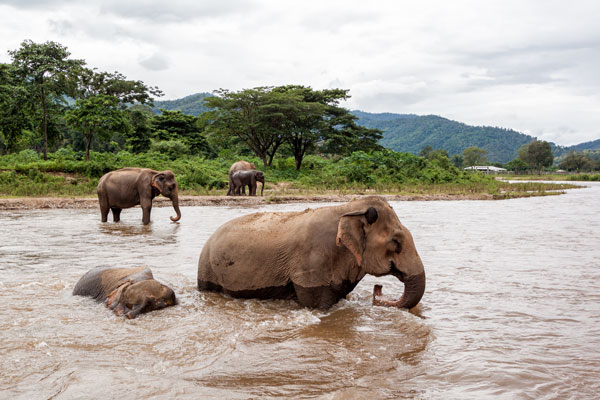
point(192, 104)
point(410, 133)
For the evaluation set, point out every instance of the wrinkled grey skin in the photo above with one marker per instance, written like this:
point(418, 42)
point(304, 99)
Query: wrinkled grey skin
point(128, 187)
point(315, 256)
point(238, 166)
point(241, 179)
point(126, 291)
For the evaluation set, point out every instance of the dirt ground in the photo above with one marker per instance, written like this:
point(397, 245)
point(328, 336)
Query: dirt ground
point(31, 203)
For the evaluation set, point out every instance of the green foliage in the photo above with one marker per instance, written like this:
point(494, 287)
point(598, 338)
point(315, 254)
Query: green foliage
point(45, 69)
point(517, 165)
point(173, 149)
point(97, 115)
point(179, 127)
point(539, 155)
point(577, 162)
point(474, 156)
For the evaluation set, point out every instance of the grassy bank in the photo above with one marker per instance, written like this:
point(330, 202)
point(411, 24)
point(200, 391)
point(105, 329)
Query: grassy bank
point(591, 177)
point(65, 174)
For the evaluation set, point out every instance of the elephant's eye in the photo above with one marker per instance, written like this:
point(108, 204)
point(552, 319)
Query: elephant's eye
point(398, 248)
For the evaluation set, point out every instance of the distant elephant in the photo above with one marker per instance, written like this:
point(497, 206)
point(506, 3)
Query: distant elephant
point(314, 256)
point(241, 179)
point(128, 187)
point(126, 291)
point(238, 166)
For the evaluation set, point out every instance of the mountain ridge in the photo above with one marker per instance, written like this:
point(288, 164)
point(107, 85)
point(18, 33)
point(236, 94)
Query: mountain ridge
point(410, 132)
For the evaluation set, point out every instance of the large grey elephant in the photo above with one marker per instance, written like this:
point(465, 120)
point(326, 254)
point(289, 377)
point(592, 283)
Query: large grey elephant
point(128, 187)
point(126, 291)
point(238, 166)
point(241, 179)
point(315, 256)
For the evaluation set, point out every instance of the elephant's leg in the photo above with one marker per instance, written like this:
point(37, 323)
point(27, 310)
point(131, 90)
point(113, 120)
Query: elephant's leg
point(322, 297)
point(252, 187)
point(146, 205)
point(243, 189)
point(116, 212)
point(104, 208)
point(104, 213)
point(146, 214)
point(231, 190)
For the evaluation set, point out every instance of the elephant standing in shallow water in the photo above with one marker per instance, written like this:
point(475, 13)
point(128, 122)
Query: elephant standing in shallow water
point(316, 256)
point(128, 187)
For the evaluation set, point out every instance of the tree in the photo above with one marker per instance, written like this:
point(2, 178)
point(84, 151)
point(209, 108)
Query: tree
point(97, 115)
point(45, 68)
point(523, 153)
point(517, 165)
point(174, 125)
point(15, 110)
point(457, 160)
point(253, 115)
point(540, 155)
point(474, 156)
point(138, 138)
point(313, 117)
point(576, 162)
point(92, 83)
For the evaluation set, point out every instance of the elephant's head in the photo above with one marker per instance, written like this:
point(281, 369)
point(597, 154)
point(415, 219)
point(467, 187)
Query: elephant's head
point(166, 184)
point(141, 297)
point(381, 246)
point(260, 177)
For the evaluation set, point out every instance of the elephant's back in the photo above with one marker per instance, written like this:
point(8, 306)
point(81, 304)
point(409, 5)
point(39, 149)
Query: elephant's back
point(240, 165)
point(99, 282)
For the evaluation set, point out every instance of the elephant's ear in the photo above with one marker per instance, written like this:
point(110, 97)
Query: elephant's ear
point(351, 231)
point(114, 298)
point(154, 178)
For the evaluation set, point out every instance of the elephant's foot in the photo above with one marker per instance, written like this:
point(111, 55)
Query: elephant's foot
point(380, 300)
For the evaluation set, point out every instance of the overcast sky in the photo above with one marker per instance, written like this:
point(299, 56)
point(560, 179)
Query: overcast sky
point(533, 66)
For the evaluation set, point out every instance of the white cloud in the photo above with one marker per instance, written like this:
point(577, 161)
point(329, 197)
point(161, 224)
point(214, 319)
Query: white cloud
point(531, 66)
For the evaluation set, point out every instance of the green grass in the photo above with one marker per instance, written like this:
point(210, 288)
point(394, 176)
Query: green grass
point(64, 174)
point(556, 177)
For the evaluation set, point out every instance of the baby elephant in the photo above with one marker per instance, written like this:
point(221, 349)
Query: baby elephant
point(126, 291)
point(241, 179)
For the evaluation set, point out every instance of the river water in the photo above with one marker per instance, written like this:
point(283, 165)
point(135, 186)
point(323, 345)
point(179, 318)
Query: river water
point(511, 310)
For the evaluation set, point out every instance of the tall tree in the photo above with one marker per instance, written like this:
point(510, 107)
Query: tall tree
point(15, 109)
point(97, 115)
point(45, 67)
point(474, 156)
point(576, 162)
point(254, 116)
point(174, 125)
point(91, 83)
point(540, 155)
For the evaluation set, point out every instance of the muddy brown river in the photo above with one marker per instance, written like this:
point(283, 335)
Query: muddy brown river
point(511, 311)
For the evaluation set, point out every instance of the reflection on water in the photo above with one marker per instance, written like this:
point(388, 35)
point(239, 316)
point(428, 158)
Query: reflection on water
point(512, 310)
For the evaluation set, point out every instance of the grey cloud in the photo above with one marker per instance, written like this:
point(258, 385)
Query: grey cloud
point(176, 10)
point(156, 62)
point(36, 4)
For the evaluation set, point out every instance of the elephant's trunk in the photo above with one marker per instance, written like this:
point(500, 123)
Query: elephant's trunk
point(262, 187)
point(175, 200)
point(414, 287)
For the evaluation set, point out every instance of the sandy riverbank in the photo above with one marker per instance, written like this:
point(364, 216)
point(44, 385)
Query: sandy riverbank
point(31, 203)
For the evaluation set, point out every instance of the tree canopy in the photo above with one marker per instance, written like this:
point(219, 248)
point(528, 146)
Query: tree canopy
point(45, 68)
point(304, 119)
